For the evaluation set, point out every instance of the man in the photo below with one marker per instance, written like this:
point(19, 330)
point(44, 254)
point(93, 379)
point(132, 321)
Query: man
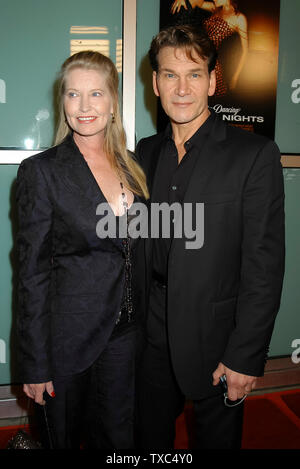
point(211, 309)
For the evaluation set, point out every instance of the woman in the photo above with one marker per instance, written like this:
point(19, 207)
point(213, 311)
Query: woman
point(77, 323)
point(225, 20)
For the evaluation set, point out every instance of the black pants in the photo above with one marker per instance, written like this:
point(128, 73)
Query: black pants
point(160, 400)
point(96, 407)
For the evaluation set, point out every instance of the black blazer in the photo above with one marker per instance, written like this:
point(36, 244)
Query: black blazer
point(70, 281)
point(223, 298)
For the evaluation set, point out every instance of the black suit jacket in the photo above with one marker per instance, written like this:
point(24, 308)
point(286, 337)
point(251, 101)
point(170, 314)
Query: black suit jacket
point(70, 281)
point(223, 298)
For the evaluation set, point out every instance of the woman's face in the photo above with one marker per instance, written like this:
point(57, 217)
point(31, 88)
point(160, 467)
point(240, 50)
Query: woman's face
point(87, 102)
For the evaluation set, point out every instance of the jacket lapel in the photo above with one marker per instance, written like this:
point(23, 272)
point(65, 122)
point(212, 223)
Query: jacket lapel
point(207, 161)
point(79, 179)
point(77, 172)
point(153, 168)
point(153, 162)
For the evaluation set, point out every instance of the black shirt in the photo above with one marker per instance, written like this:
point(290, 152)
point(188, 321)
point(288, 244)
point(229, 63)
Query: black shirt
point(172, 180)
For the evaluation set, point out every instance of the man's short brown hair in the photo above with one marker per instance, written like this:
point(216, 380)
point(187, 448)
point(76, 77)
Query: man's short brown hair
point(184, 36)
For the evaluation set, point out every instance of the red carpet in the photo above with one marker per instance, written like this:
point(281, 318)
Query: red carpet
point(272, 421)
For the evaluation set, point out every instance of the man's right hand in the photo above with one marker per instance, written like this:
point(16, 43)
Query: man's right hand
point(36, 391)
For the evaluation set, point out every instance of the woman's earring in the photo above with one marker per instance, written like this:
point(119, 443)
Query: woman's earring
point(113, 120)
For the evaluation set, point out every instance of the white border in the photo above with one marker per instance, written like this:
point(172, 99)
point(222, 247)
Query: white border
point(15, 156)
point(129, 84)
point(129, 70)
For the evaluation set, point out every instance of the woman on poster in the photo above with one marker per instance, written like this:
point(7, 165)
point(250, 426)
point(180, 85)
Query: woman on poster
point(225, 20)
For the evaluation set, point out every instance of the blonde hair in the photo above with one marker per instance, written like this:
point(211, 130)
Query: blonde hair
point(122, 161)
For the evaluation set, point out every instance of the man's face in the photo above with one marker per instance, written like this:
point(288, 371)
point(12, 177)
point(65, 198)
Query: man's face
point(183, 86)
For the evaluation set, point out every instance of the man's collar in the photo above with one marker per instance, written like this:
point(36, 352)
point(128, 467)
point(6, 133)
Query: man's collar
point(197, 138)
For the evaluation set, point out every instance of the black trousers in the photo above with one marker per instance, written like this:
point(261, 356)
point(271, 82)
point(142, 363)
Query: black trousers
point(160, 400)
point(96, 407)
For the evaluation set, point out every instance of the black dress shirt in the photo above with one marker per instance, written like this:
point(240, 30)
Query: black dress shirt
point(171, 184)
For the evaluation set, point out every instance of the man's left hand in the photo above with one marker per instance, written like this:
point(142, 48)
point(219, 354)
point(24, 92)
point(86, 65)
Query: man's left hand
point(237, 383)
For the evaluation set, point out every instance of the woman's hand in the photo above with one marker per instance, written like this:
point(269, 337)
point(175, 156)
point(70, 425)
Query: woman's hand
point(36, 391)
point(176, 6)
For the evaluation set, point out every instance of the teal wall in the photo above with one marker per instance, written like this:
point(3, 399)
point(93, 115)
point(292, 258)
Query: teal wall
point(147, 27)
point(287, 327)
point(287, 134)
point(35, 38)
point(287, 131)
point(7, 271)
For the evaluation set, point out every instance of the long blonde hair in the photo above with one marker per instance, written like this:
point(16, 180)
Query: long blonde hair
point(130, 173)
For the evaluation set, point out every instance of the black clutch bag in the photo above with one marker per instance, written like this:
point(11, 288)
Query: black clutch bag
point(22, 440)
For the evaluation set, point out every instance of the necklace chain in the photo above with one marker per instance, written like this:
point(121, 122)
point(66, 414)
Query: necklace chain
point(128, 264)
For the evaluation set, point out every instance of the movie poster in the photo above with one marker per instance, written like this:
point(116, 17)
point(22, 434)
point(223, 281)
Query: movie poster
point(246, 36)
